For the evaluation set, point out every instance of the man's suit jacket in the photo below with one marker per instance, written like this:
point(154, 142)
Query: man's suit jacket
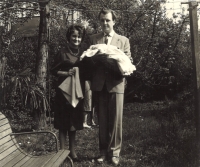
point(113, 79)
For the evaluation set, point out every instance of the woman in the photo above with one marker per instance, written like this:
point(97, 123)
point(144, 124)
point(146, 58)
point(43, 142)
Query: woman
point(68, 119)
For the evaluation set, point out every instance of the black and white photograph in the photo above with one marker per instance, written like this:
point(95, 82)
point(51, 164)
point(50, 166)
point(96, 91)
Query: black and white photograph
point(99, 83)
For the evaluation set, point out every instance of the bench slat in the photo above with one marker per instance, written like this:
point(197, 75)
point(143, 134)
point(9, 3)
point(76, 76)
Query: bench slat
point(27, 163)
point(7, 144)
point(2, 116)
point(54, 158)
point(3, 121)
point(36, 161)
point(7, 152)
point(4, 140)
point(40, 161)
point(10, 157)
point(5, 133)
point(23, 161)
point(4, 127)
point(58, 159)
point(15, 160)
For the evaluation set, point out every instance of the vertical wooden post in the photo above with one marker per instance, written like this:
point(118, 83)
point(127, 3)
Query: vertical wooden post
point(196, 59)
point(196, 67)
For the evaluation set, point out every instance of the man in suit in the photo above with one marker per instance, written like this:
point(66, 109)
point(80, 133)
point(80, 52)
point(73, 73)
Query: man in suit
point(108, 87)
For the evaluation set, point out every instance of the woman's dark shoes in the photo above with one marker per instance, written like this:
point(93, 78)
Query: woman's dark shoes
point(74, 158)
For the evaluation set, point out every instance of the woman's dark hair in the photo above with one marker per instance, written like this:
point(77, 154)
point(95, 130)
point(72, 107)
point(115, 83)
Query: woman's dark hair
point(78, 28)
point(106, 11)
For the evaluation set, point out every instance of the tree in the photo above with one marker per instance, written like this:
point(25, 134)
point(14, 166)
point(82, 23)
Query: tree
point(43, 49)
point(159, 45)
point(34, 90)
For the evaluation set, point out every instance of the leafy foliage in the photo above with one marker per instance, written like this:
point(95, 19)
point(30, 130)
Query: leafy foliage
point(160, 46)
point(21, 93)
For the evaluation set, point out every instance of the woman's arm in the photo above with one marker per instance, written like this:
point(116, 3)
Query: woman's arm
point(62, 73)
point(66, 73)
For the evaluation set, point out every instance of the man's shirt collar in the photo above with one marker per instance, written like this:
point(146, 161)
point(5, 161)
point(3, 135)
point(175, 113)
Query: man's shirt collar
point(110, 34)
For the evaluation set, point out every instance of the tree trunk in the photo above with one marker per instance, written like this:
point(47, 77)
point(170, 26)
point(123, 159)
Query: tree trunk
point(42, 57)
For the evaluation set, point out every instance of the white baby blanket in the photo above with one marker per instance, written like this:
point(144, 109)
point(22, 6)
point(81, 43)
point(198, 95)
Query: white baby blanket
point(124, 63)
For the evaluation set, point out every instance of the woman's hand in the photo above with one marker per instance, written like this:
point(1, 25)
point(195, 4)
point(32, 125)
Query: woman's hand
point(71, 72)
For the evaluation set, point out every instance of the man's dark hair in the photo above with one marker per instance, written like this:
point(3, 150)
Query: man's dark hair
point(78, 28)
point(106, 11)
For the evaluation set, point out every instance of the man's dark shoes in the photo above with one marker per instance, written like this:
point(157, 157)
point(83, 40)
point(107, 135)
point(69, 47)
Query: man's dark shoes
point(101, 159)
point(115, 161)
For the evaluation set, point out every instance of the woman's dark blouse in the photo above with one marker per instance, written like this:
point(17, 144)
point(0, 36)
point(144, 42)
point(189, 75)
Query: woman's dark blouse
point(65, 116)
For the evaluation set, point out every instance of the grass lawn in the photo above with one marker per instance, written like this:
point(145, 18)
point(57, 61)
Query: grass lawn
point(154, 135)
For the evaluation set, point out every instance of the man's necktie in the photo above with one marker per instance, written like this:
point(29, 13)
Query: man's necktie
point(106, 39)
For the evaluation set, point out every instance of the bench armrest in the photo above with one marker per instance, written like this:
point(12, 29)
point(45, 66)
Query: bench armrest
point(39, 132)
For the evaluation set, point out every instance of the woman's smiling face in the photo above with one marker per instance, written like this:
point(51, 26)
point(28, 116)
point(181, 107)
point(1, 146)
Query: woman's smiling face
point(75, 39)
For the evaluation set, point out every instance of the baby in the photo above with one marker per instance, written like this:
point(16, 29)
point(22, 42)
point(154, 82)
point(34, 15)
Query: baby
point(124, 63)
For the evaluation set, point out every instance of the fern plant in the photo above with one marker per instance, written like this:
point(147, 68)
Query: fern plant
point(23, 86)
point(30, 92)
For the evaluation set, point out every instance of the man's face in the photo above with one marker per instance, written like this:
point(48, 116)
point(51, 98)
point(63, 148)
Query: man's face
point(106, 22)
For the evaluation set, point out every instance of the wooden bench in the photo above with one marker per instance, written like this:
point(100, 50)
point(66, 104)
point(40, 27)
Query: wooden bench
point(12, 153)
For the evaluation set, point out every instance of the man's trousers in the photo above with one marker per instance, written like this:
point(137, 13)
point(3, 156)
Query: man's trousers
point(109, 107)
